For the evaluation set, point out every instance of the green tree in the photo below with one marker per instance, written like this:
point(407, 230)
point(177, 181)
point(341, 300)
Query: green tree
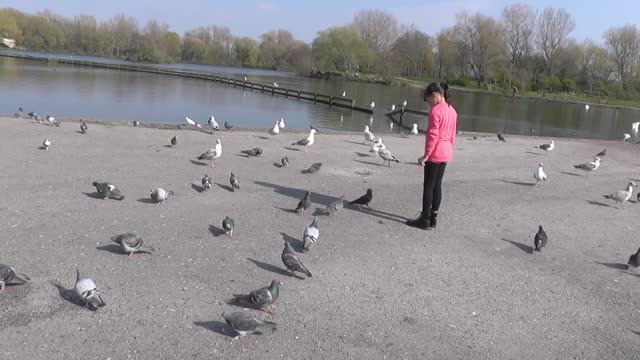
point(172, 45)
point(8, 25)
point(247, 51)
point(340, 48)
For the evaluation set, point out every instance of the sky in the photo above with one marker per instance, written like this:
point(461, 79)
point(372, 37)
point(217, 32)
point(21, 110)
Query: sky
point(305, 18)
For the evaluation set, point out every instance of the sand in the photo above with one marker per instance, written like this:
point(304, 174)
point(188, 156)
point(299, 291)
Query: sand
point(380, 290)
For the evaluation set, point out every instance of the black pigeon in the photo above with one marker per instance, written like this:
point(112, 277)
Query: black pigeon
point(206, 182)
point(501, 138)
point(262, 298)
point(304, 204)
point(174, 141)
point(8, 276)
point(228, 126)
point(227, 226)
point(634, 260)
point(108, 191)
point(83, 128)
point(364, 199)
point(540, 240)
point(314, 168)
point(602, 153)
point(136, 123)
point(253, 152)
point(285, 161)
point(292, 262)
point(234, 181)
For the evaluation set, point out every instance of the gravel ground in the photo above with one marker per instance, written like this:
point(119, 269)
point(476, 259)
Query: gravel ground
point(380, 290)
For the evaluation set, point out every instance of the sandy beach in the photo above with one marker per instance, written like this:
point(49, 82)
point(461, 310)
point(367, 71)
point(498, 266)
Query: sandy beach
point(380, 290)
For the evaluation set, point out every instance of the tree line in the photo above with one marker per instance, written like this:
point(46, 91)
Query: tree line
point(524, 48)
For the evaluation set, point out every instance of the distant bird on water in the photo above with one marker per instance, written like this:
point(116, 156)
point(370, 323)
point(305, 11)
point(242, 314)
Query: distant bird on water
point(212, 154)
point(131, 243)
point(304, 203)
point(8, 276)
point(276, 129)
point(308, 141)
point(540, 240)
point(213, 124)
point(363, 200)
point(174, 141)
point(586, 107)
point(539, 174)
point(83, 127)
point(622, 196)
point(292, 262)
point(501, 137)
point(46, 143)
point(275, 85)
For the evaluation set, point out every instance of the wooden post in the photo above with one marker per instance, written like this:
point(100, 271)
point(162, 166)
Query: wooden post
point(286, 93)
point(401, 116)
point(298, 94)
point(352, 103)
point(330, 101)
point(273, 90)
point(315, 97)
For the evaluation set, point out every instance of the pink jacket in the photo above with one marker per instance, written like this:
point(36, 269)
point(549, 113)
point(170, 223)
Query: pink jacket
point(441, 133)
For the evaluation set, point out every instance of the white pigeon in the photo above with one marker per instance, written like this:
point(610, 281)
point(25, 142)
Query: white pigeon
point(393, 107)
point(281, 123)
point(404, 103)
point(160, 195)
point(189, 121)
point(386, 155)
point(589, 166)
point(87, 291)
point(414, 129)
point(626, 137)
point(276, 129)
point(372, 105)
point(212, 154)
point(376, 146)
point(308, 141)
point(539, 174)
point(634, 129)
point(368, 135)
point(623, 195)
point(46, 143)
point(344, 93)
point(311, 235)
point(213, 124)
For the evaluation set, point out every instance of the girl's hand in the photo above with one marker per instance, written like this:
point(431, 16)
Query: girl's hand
point(422, 160)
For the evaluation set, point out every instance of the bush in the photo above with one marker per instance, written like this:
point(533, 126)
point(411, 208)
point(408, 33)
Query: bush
point(569, 85)
point(556, 84)
point(601, 88)
point(459, 82)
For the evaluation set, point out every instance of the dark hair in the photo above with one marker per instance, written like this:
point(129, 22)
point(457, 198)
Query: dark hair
point(442, 89)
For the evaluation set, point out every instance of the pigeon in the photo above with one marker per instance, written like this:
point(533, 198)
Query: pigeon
point(234, 181)
point(275, 130)
point(311, 234)
point(174, 141)
point(368, 135)
point(131, 243)
point(540, 240)
point(83, 128)
point(281, 123)
point(206, 182)
point(387, 156)
point(304, 203)
point(589, 166)
point(626, 137)
point(375, 147)
point(285, 161)
point(212, 154)
point(602, 153)
point(38, 119)
point(243, 323)
point(160, 195)
point(634, 261)
point(393, 107)
point(404, 103)
point(292, 262)
point(363, 200)
point(547, 147)
point(86, 289)
point(501, 138)
point(108, 191)
point(52, 121)
point(19, 113)
point(336, 206)
point(314, 168)
point(228, 126)
point(372, 105)
point(634, 129)
point(253, 152)
point(539, 174)
point(32, 114)
point(262, 298)
point(227, 225)
point(46, 143)
point(190, 122)
point(213, 124)
point(414, 129)
point(8, 276)
point(308, 141)
point(622, 196)
point(136, 123)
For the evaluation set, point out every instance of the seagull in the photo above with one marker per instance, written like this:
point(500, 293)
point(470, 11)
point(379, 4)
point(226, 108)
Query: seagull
point(243, 323)
point(363, 200)
point(252, 152)
point(311, 234)
point(344, 94)
point(190, 122)
point(391, 124)
point(393, 107)
point(304, 203)
point(387, 156)
point(227, 225)
point(83, 128)
point(46, 143)
point(292, 262)
point(234, 181)
point(160, 195)
point(589, 166)
point(586, 107)
point(281, 123)
point(404, 103)
point(213, 124)
point(602, 153)
point(285, 161)
point(174, 141)
point(622, 196)
point(136, 123)
point(368, 135)
point(262, 298)
point(372, 105)
point(8, 276)
point(540, 240)
point(308, 141)
point(634, 260)
point(86, 289)
point(19, 113)
point(108, 191)
point(52, 120)
point(245, 78)
point(539, 174)
point(314, 168)
point(414, 129)
point(32, 114)
point(547, 147)
point(275, 85)
point(336, 206)
point(634, 129)
point(501, 138)
point(206, 182)
point(131, 243)
point(212, 154)
point(376, 146)
point(626, 137)
point(227, 125)
point(276, 129)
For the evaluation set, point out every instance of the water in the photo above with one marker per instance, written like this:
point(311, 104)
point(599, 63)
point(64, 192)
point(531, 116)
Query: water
point(102, 94)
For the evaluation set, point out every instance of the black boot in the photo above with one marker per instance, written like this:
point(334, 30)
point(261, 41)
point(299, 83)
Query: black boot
point(421, 222)
point(433, 219)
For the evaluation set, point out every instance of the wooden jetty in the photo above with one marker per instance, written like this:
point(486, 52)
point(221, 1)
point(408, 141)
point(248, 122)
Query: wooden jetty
point(337, 101)
point(391, 115)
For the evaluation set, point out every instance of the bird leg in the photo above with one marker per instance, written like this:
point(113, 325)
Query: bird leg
point(130, 255)
point(212, 163)
point(269, 310)
point(2, 288)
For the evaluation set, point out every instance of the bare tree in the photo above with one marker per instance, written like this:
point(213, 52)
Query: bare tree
point(554, 25)
point(624, 46)
point(413, 53)
point(519, 22)
point(596, 62)
point(378, 28)
point(447, 53)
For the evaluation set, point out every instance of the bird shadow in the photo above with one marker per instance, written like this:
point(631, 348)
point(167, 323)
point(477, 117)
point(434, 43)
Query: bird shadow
point(297, 245)
point(146, 200)
point(70, 296)
point(362, 154)
point(518, 183)
point(226, 187)
point(354, 142)
point(308, 171)
point(368, 162)
point(198, 162)
point(570, 173)
point(112, 248)
point(42, 148)
point(79, 132)
point(216, 231)
point(636, 332)
point(597, 203)
point(290, 211)
point(198, 188)
point(615, 266)
point(526, 248)
point(94, 195)
point(243, 155)
point(531, 152)
point(168, 146)
point(277, 165)
point(630, 273)
point(262, 137)
point(320, 212)
point(292, 148)
point(217, 327)
point(269, 267)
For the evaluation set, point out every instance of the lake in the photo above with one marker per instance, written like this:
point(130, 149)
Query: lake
point(101, 94)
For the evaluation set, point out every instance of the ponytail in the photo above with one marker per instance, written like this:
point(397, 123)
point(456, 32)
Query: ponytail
point(445, 93)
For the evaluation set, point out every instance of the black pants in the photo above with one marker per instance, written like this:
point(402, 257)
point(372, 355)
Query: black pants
point(432, 188)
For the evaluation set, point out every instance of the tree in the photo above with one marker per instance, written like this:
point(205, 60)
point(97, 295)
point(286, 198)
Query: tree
point(413, 53)
point(554, 25)
point(624, 46)
point(341, 49)
point(123, 28)
point(172, 45)
point(377, 28)
point(480, 40)
point(8, 25)
point(247, 51)
point(447, 54)
point(519, 22)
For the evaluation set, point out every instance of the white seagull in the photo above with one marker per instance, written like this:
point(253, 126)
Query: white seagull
point(212, 154)
point(634, 129)
point(393, 107)
point(276, 129)
point(344, 94)
point(368, 135)
point(281, 123)
point(46, 143)
point(589, 166)
point(539, 174)
point(623, 195)
point(376, 146)
point(626, 137)
point(547, 147)
point(387, 156)
point(275, 85)
point(404, 103)
point(308, 141)
point(414, 129)
point(586, 107)
point(190, 122)
point(213, 124)
point(372, 105)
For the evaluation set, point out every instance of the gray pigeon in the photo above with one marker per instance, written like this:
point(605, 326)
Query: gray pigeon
point(227, 125)
point(86, 289)
point(314, 168)
point(174, 141)
point(501, 138)
point(131, 243)
point(206, 182)
point(227, 226)
point(253, 152)
point(634, 260)
point(83, 128)
point(243, 323)
point(304, 203)
point(19, 113)
point(311, 234)
point(540, 240)
point(262, 298)
point(108, 191)
point(285, 161)
point(234, 181)
point(136, 123)
point(8, 276)
point(291, 261)
point(336, 206)
point(160, 195)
